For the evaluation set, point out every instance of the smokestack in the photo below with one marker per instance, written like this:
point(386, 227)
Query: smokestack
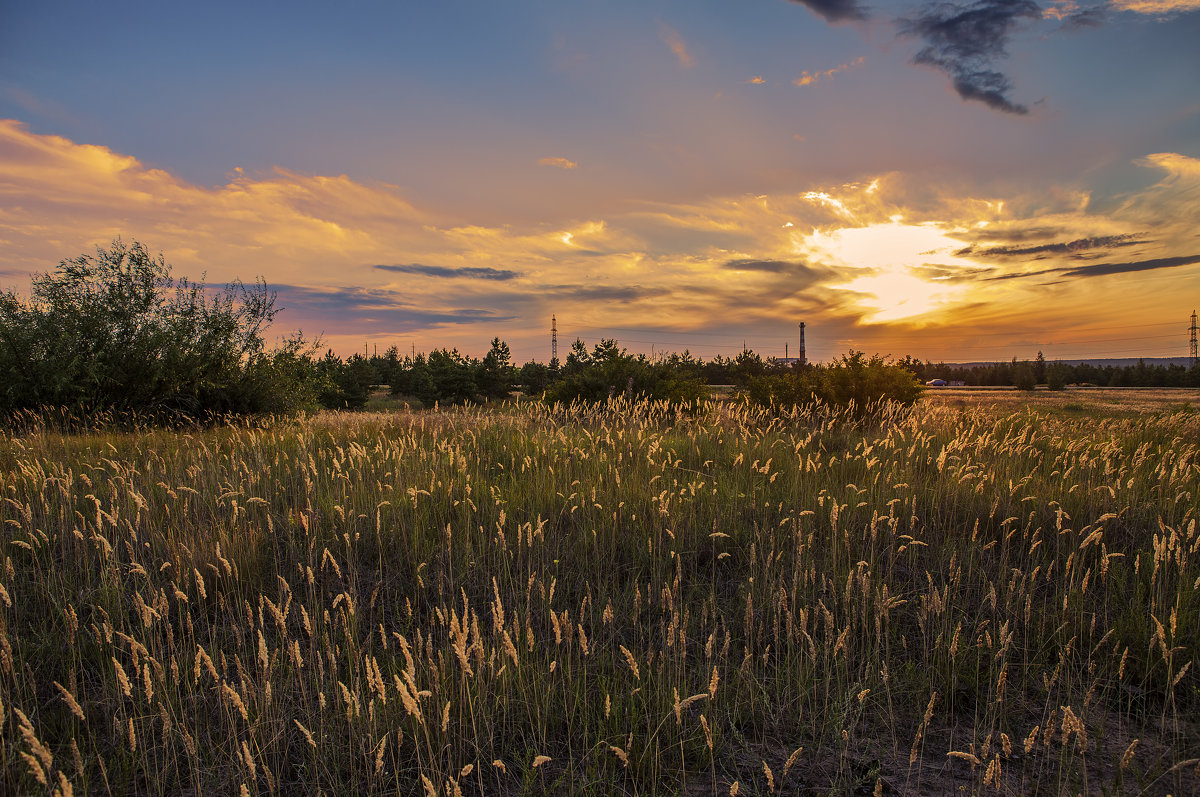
point(803, 361)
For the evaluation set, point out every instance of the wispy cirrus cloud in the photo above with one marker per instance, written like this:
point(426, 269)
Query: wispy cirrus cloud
point(753, 264)
point(1073, 16)
point(673, 40)
point(808, 78)
point(558, 163)
point(461, 272)
point(1073, 248)
point(1105, 269)
point(1158, 8)
point(374, 310)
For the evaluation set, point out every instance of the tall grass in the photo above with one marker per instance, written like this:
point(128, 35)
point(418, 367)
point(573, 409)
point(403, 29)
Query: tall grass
point(618, 599)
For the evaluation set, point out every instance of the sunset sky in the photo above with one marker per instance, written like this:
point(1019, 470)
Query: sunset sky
point(958, 182)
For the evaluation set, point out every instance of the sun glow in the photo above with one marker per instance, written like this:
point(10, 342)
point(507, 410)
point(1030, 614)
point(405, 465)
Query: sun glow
point(888, 256)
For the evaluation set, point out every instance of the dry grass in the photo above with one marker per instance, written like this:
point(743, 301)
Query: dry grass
point(1081, 400)
point(606, 600)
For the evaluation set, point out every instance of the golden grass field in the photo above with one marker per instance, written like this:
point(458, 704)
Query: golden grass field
point(989, 593)
point(1082, 400)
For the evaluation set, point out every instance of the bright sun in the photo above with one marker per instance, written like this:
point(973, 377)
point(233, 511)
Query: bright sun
point(887, 257)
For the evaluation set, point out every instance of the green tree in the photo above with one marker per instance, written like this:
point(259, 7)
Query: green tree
point(610, 371)
point(534, 378)
point(854, 380)
point(496, 375)
point(114, 331)
point(1024, 376)
point(1056, 376)
point(453, 376)
point(347, 384)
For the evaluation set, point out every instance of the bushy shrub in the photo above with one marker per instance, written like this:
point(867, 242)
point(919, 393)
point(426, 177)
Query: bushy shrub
point(115, 332)
point(855, 379)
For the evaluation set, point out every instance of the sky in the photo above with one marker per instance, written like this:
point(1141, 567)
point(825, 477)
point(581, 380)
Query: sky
point(952, 181)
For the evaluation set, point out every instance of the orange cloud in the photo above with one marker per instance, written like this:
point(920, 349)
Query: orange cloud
point(358, 261)
point(808, 78)
point(1157, 7)
point(672, 39)
point(757, 80)
point(560, 163)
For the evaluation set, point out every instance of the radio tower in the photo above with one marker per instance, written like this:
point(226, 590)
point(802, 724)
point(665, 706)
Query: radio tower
point(1194, 352)
point(554, 338)
point(803, 357)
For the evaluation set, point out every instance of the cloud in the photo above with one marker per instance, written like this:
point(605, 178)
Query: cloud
point(757, 80)
point(357, 310)
point(1158, 8)
point(1104, 269)
point(835, 10)
point(897, 254)
point(559, 163)
point(808, 78)
point(1073, 16)
point(678, 46)
point(964, 40)
point(769, 266)
point(609, 293)
point(1069, 247)
point(468, 272)
point(1173, 164)
point(37, 106)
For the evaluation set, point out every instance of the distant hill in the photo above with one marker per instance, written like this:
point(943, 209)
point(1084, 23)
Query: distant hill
point(1116, 362)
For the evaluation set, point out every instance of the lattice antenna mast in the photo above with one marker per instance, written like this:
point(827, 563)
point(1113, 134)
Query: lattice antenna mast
point(553, 338)
point(803, 360)
point(1194, 352)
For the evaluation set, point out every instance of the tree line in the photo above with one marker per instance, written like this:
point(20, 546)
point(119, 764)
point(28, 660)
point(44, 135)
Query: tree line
point(115, 332)
point(1026, 374)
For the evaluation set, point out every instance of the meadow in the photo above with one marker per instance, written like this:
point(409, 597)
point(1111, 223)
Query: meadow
point(624, 599)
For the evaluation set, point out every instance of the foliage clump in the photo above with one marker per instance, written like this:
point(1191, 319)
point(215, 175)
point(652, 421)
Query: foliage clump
point(609, 371)
point(448, 377)
point(855, 380)
point(115, 332)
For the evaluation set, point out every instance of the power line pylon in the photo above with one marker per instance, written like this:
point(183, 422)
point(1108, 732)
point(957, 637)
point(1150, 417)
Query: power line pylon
point(1194, 352)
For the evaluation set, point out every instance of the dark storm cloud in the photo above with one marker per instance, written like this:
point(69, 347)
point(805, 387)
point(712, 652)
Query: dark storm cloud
point(964, 40)
point(465, 272)
point(1073, 248)
point(835, 10)
point(358, 309)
